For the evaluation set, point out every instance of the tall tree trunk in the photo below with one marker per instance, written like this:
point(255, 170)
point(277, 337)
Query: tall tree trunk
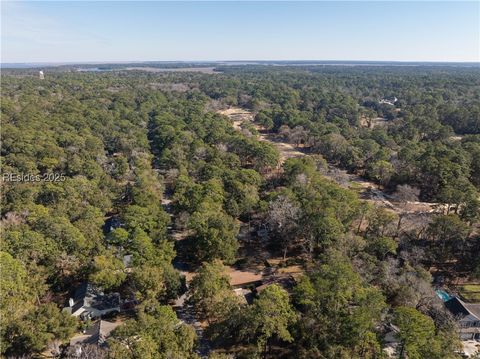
point(400, 217)
point(360, 224)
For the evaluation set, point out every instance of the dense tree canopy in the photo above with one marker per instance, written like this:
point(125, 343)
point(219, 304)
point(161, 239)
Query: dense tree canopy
point(111, 177)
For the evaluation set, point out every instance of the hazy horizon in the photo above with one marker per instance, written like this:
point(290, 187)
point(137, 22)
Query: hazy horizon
point(213, 63)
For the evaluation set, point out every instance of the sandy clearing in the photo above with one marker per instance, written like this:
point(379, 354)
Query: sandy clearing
point(373, 122)
point(240, 116)
point(369, 190)
point(237, 277)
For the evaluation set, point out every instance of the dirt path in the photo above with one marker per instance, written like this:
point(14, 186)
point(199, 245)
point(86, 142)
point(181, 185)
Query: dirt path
point(240, 116)
point(368, 190)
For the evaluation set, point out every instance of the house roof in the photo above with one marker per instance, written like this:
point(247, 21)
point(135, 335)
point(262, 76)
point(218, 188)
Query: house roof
point(76, 306)
point(473, 308)
point(103, 330)
point(98, 334)
point(89, 295)
point(111, 224)
point(456, 307)
point(80, 292)
point(86, 290)
point(460, 309)
point(84, 295)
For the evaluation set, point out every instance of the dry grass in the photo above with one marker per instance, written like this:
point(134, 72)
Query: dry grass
point(204, 70)
point(470, 292)
point(238, 277)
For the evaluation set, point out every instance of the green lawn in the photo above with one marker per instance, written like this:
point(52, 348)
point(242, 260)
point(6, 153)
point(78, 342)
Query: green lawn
point(470, 292)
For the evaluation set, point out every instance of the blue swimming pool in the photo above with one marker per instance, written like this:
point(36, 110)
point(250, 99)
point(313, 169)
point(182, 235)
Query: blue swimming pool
point(443, 295)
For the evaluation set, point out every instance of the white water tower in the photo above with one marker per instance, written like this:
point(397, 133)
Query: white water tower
point(41, 75)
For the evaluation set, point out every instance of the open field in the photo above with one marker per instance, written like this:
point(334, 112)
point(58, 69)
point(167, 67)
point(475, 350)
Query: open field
point(204, 70)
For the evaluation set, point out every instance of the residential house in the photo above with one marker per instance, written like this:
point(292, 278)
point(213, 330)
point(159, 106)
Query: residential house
point(388, 101)
point(112, 223)
point(467, 316)
point(90, 302)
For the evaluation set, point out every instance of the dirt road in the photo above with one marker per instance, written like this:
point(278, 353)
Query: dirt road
point(240, 116)
point(368, 190)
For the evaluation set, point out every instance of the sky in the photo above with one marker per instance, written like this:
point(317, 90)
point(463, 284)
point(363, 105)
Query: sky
point(67, 31)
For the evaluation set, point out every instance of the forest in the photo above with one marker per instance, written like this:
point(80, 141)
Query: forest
point(346, 241)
